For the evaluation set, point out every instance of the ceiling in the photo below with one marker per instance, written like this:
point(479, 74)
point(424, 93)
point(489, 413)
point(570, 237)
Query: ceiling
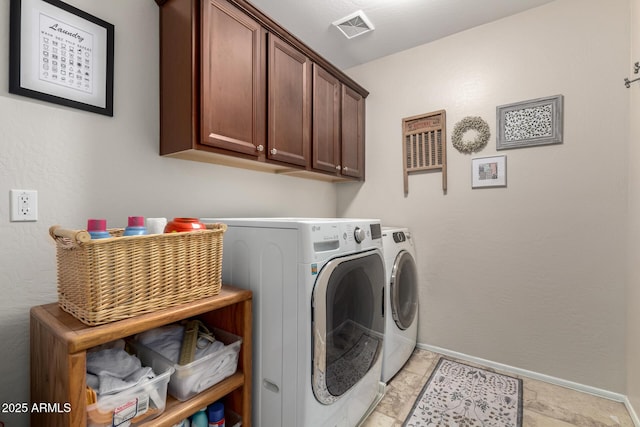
point(399, 24)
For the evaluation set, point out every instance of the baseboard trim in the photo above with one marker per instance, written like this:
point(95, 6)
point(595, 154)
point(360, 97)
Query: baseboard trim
point(632, 412)
point(617, 397)
point(529, 374)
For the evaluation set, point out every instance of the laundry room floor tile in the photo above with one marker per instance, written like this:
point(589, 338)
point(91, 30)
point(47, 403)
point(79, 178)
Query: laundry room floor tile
point(544, 404)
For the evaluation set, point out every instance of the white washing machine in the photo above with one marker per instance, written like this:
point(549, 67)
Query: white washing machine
point(401, 300)
point(318, 326)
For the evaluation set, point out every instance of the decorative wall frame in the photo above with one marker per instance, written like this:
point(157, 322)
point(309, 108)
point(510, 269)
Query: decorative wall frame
point(489, 172)
point(424, 145)
point(530, 123)
point(61, 54)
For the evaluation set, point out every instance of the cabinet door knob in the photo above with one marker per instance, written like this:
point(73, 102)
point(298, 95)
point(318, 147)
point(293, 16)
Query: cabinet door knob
point(260, 147)
point(344, 169)
point(274, 151)
point(338, 167)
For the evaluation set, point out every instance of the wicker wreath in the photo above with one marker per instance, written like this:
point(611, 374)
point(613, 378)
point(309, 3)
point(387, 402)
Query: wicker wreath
point(470, 123)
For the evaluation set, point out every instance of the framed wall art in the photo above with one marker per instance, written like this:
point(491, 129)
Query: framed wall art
point(530, 123)
point(489, 172)
point(61, 54)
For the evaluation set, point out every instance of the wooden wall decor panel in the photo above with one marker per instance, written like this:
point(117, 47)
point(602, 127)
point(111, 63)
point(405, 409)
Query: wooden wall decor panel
point(424, 146)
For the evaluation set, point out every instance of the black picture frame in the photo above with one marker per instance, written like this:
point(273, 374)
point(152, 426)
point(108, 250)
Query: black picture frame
point(61, 54)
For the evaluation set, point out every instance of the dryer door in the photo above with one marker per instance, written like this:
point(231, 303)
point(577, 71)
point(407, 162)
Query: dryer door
point(348, 323)
point(404, 290)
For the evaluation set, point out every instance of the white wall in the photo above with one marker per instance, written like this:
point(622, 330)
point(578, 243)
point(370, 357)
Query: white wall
point(532, 275)
point(633, 295)
point(86, 165)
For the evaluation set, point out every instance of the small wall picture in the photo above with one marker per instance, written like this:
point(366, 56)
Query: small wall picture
point(489, 172)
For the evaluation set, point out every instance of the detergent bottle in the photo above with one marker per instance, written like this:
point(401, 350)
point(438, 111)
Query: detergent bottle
point(97, 228)
point(216, 415)
point(135, 226)
point(199, 419)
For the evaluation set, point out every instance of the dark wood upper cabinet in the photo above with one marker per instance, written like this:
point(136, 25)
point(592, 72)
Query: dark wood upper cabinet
point(233, 79)
point(238, 89)
point(289, 111)
point(338, 126)
point(353, 122)
point(326, 121)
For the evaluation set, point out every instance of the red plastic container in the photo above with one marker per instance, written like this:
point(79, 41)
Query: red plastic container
point(184, 224)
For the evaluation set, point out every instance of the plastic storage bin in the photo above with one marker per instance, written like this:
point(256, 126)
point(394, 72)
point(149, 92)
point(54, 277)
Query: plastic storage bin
point(130, 407)
point(195, 377)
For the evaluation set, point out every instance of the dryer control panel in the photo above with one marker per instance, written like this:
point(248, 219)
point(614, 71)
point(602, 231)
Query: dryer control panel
point(399, 237)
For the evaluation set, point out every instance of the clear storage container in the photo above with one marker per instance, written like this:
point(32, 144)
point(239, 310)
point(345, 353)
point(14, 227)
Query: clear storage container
point(137, 404)
point(195, 377)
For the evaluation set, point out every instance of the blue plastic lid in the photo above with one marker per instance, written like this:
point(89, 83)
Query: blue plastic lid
point(216, 411)
point(134, 231)
point(99, 234)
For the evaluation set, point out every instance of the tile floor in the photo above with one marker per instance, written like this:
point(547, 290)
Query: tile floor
point(545, 405)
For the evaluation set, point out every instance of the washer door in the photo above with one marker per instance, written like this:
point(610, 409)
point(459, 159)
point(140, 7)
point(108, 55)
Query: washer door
point(404, 290)
point(348, 323)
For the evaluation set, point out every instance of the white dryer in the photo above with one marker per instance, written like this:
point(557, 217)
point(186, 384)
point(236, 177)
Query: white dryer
point(318, 324)
point(401, 300)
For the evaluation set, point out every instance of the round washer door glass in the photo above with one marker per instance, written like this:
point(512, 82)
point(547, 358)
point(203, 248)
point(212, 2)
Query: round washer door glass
point(348, 323)
point(404, 290)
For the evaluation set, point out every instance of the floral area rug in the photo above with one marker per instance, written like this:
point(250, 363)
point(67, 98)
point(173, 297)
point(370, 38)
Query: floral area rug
point(458, 395)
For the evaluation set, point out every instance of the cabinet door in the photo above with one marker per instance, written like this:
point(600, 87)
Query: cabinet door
point(233, 79)
point(289, 112)
point(353, 117)
point(326, 121)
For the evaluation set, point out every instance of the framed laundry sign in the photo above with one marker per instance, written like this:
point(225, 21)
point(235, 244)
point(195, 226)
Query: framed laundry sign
point(61, 54)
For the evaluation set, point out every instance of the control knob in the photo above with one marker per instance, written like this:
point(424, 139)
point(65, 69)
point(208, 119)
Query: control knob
point(359, 234)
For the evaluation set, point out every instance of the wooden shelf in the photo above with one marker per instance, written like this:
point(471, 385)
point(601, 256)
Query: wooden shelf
point(58, 356)
point(176, 410)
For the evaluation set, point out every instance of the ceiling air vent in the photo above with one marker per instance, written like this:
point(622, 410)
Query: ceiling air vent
point(353, 25)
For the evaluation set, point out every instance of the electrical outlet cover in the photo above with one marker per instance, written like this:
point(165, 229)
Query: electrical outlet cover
point(24, 205)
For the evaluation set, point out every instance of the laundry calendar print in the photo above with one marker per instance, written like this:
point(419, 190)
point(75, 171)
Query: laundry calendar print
point(66, 54)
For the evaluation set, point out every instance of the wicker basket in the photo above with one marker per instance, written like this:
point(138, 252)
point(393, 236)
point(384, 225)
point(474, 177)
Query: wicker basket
point(101, 281)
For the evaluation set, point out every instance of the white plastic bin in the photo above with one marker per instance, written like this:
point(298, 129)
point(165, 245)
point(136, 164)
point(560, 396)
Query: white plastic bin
point(195, 377)
point(137, 404)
